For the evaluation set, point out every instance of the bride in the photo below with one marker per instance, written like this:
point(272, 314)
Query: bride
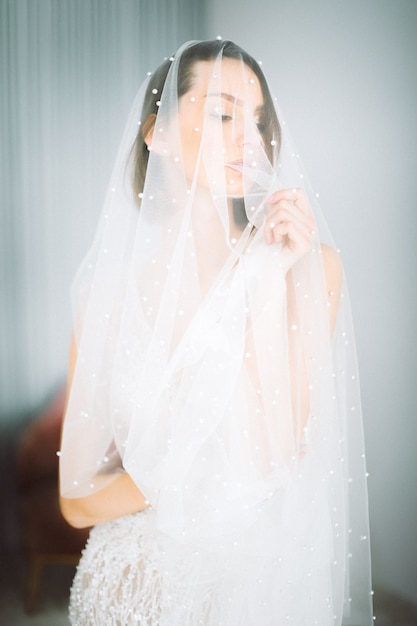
point(213, 433)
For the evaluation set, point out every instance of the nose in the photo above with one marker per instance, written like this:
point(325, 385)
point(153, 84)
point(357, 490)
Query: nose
point(245, 131)
point(238, 132)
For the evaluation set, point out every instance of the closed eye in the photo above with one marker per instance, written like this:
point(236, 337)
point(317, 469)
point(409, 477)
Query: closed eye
point(223, 117)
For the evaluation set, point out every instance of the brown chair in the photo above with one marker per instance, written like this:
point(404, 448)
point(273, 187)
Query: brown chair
point(47, 538)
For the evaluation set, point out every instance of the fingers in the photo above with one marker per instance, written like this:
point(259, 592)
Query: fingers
point(290, 232)
point(286, 211)
point(289, 215)
point(290, 220)
point(295, 195)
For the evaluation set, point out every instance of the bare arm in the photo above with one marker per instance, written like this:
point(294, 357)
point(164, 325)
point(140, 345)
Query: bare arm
point(118, 498)
point(290, 221)
point(333, 273)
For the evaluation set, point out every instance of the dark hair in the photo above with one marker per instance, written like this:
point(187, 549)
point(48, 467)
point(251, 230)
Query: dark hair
point(200, 51)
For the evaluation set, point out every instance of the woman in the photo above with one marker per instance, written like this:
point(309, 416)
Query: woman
point(212, 434)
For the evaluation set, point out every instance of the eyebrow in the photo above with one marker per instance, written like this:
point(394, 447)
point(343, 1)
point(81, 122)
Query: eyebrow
point(230, 98)
point(227, 96)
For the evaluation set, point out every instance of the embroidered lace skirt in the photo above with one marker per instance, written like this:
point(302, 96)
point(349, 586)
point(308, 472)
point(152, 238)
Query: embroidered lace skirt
point(131, 574)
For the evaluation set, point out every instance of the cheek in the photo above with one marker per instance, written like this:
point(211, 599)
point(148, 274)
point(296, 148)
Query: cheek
point(191, 145)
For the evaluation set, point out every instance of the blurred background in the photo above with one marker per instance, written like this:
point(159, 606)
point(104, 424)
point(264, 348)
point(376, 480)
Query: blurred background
point(344, 73)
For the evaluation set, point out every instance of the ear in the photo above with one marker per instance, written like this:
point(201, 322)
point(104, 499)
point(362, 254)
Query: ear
point(147, 129)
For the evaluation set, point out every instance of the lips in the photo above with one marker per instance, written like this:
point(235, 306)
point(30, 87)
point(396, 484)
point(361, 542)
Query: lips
point(236, 165)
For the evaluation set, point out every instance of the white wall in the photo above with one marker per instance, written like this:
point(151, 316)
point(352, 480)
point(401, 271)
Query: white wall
point(69, 72)
point(344, 73)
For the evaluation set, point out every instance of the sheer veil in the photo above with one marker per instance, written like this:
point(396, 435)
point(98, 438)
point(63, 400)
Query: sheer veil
point(211, 374)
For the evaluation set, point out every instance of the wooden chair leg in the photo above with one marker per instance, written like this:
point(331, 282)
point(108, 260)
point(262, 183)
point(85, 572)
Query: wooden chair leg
point(35, 566)
point(36, 563)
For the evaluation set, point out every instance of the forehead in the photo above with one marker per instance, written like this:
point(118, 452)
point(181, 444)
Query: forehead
point(229, 76)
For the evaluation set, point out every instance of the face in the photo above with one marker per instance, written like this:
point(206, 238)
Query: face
point(228, 114)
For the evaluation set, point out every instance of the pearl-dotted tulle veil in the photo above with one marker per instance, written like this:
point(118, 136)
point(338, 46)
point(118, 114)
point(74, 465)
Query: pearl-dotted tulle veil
point(211, 375)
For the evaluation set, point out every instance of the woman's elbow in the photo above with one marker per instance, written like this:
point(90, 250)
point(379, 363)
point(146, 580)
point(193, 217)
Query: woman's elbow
point(73, 513)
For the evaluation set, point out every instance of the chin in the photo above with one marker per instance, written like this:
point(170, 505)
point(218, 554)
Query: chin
point(235, 190)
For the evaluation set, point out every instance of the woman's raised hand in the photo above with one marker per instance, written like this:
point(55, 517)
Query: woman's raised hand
point(290, 221)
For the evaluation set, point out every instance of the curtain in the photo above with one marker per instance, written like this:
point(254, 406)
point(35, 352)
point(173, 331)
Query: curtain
point(69, 70)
